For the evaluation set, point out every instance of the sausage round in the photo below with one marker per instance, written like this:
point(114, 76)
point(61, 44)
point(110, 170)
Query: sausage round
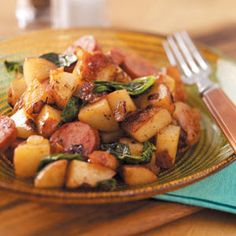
point(7, 132)
point(75, 137)
point(137, 66)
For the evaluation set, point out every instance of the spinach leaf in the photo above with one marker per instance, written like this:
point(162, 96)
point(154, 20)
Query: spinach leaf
point(59, 156)
point(60, 60)
point(71, 110)
point(14, 66)
point(109, 184)
point(122, 152)
point(134, 88)
point(52, 57)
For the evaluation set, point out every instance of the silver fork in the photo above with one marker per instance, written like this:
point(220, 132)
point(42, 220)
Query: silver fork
point(182, 52)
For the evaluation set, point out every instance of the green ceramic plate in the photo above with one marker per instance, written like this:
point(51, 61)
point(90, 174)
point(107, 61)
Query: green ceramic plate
point(210, 155)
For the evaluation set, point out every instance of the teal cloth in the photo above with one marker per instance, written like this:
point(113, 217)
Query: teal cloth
point(218, 192)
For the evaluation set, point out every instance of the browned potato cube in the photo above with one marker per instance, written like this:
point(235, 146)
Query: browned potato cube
point(24, 124)
point(104, 158)
point(37, 68)
point(61, 86)
point(17, 88)
point(145, 124)
point(84, 173)
point(34, 98)
point(135, 147)
point(166, 146)
point(52, 176)
point(136, 175)
point(99, 116)
point(48, 120)
point(121, 104)
point(27, 156)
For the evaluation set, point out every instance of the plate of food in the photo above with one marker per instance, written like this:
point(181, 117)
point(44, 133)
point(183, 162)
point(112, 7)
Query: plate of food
point(98, 115)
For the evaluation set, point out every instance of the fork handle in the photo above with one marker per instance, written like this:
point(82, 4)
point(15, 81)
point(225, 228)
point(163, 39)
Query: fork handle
point(224, 112)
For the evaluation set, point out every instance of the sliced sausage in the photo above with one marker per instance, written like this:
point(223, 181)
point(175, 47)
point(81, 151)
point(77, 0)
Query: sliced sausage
point(87, 42)
point(137, 66)
point(117, 56)
point(75, 137)
point(133, 64)
point(7, 132)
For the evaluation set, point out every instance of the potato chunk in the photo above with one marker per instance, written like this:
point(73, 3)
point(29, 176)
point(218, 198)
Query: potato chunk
point(135, 175)
point(24, 124)
point(166, 146)
point(158, 96)
point(99, 116)
point(17, 88)
point(34, 98)
point(145, 124)
point(48, 120)
point(83, 173)
point(27, 156)
point(37, 68)
point(103, 158)
point(135, 147)
point(120, 103)
point(52, 176)
point(61, 86)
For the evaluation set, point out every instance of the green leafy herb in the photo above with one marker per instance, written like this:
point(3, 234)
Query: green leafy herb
point(109, 184)
point(71, 110)
point(59, 156)
point(60, 60)
point(135, 87)
point(14, 66)
point(52, 57)
point(122, 152)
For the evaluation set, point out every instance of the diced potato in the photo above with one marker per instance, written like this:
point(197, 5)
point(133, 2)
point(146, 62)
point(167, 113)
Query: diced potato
point(110, 137)
point(136, 175)
point(135, 147)
point(61, 86)
point(158, 96)
point(99, 116)
point(24, 124)
point(17, 88)
point(34, 98)
point(166, 146)
point(52, 176)
point(80, 173)
point(48, 120)
point(37, 68)
point(145, 124)
point(104, 158)
point(27, 156)
point(120, 103)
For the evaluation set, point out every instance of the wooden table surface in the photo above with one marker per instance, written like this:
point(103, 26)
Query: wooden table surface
point(210, 22)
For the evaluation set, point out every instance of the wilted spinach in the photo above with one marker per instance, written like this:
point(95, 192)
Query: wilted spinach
point(60, 60)
point(60, 156)
point(14, 66)
point(71, 110)
point(134, 88)
point(109, 184)
point(122, 152)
